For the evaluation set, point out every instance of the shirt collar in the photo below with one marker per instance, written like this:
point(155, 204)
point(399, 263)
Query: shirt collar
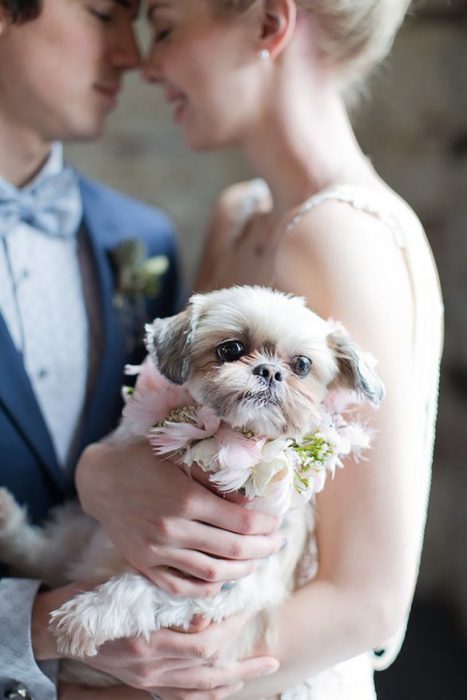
point(52, 166)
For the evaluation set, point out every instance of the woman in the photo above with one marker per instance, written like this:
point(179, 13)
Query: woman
point(268, 76)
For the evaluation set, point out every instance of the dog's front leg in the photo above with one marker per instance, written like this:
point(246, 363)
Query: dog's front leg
point(127, 605)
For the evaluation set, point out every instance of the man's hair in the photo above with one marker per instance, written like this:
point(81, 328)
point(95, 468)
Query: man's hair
point(22, 10)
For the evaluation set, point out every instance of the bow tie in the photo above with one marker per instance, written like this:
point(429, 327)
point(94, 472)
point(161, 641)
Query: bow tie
point(53, 206)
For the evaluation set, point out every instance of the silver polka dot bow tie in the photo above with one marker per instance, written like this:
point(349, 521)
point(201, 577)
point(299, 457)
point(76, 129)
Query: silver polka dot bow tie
point(53, 206)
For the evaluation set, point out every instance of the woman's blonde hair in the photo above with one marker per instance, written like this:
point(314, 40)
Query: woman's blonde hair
point(354, 35)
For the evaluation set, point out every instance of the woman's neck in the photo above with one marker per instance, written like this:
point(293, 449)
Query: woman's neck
point(302, 144)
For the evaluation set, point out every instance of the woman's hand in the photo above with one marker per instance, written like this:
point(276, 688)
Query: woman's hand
point(170, 527)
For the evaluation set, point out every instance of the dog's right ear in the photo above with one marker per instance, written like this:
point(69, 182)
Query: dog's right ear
point(168, 341)
point(355, 371)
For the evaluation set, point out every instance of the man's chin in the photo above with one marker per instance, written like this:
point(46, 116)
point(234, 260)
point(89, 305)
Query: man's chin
point(90, 130)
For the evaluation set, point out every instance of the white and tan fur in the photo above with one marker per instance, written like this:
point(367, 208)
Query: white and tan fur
point(275, 329)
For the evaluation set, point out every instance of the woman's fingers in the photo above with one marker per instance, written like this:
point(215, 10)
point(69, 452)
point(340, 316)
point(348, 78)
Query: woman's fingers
point(206, 568)
point(179, 584)
point(223, 514)
point(227, 545)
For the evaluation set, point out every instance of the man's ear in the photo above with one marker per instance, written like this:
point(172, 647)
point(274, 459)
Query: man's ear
point(168, 343)
point(278, 20)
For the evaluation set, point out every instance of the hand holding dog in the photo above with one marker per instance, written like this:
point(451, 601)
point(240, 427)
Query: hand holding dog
point(211, 683)
point(174, 530)
point(179, 662)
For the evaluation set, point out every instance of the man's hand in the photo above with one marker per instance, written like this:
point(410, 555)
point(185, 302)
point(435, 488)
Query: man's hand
point(181, 664)
point(208, 683)
point(173, 529)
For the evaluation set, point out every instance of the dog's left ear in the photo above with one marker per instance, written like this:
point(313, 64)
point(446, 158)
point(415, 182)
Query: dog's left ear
point(168, 343)
point(354, 371)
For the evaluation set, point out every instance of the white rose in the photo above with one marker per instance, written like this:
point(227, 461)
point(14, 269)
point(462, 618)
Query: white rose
point(203, 453)
point(276, 469)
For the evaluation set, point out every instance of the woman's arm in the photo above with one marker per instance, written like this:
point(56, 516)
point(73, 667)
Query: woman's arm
point(164, 522)
point(370, 518)
point(225, 225)
point(219, 231)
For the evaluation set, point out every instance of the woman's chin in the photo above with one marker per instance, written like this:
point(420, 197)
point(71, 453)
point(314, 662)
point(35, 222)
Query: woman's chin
point(204, 139)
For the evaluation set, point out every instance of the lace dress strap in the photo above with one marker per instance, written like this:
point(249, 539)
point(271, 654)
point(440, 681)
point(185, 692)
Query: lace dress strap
point(359, 198)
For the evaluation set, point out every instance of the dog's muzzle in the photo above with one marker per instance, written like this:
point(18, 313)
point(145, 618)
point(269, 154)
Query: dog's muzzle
point(269, 373)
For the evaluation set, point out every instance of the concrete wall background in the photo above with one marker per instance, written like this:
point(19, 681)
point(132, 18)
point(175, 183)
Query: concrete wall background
point(415, 130)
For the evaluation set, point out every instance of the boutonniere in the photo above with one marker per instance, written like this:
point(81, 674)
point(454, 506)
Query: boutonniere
point(136, 276)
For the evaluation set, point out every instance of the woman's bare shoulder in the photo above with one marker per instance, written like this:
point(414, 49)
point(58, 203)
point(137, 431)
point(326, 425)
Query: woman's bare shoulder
point(232, 207)
point(346, 262)
point(239, 200)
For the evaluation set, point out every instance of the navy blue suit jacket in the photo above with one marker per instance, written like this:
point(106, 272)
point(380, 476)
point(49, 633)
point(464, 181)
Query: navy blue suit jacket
point(28, 465)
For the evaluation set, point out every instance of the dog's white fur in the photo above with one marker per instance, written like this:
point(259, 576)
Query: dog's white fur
point(275, 328)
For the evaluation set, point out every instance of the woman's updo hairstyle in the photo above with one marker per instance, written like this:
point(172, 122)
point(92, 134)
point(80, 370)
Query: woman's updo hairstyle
point(354, 35)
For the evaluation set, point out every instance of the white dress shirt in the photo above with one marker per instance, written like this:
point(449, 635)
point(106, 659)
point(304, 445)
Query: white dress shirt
point(41, 300)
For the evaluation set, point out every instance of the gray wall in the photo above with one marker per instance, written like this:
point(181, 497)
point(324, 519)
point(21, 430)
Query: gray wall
point(415, 130)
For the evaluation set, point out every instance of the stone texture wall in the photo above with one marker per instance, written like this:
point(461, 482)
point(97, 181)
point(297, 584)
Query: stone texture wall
point(415, 130)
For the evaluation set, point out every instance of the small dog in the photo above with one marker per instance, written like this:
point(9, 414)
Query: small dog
point(257, 366)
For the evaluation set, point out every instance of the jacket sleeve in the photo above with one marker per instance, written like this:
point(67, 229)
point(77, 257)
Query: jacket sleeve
point(18, 668)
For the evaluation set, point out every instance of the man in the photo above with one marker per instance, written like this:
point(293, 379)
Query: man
point(63, 339)
point(65, 336)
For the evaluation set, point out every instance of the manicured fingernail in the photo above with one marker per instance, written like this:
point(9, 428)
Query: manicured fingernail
point(228, 586)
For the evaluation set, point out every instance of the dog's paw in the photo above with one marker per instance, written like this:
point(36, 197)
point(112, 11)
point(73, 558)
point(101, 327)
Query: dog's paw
point(74, 626)
point(8, 509)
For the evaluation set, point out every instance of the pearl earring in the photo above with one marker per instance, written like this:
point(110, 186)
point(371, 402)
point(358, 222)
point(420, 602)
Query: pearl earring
point(264, 54)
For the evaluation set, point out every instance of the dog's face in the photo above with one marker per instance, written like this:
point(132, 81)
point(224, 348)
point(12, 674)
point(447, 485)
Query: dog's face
point(260, 359)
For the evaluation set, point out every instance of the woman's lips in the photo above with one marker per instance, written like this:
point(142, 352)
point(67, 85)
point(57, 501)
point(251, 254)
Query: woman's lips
point(178, 101)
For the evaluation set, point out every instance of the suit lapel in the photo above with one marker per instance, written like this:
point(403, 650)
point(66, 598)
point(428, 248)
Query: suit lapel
point(19, 401)
point(102, 231)
point(16, 393)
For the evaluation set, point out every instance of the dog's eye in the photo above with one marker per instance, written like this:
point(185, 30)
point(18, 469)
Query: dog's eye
point(301, 366)
point(230, 351)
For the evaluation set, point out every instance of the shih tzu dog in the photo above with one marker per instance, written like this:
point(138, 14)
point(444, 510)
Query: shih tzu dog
point(249, 384)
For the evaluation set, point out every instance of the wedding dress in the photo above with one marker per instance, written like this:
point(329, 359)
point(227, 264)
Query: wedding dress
point(353, 679)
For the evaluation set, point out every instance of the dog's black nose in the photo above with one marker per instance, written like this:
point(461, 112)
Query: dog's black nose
point(270, 373)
